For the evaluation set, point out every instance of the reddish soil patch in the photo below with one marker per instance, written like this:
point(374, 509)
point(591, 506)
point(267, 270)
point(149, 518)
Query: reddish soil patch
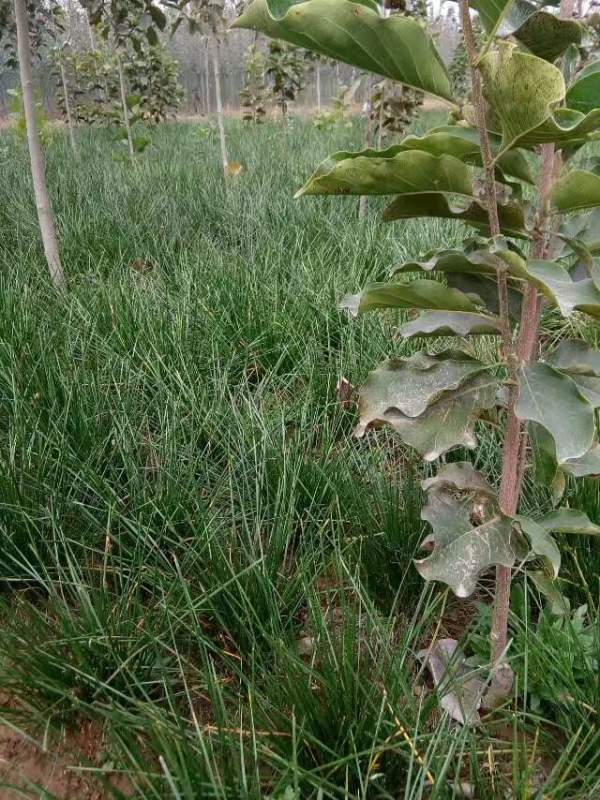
point(26, 769)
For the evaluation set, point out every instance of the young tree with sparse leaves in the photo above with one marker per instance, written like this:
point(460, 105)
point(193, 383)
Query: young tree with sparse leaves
point(22, 25)
point(534, 248)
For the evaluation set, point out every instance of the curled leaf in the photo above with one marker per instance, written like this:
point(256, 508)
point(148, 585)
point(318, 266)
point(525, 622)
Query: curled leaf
point(416, 294)
point(451, 323)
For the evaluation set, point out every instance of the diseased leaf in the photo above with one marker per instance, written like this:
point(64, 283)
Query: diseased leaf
point(416, 294)
point(512, 218)
point(411, 385)
point(462, 476)
point(522, 89)
point(584, 94)
point(552, 399)
point(389, 172)
point(544, 34)
point(541, 543)
point(576, 190)
point(396, 47)
point(459, 689)
point(558, 286)
point(470, 535)
point(451, 323)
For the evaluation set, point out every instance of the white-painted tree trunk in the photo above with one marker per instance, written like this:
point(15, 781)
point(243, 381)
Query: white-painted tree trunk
point(63, 77)
point(42, 199)
point(126, 121)
point(220, 116)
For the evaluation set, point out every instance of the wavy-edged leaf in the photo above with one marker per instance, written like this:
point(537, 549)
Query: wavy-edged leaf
point(411, 385)
point(565, 127)
point(582, 363)
point(552, 399)
point(462, 476)
point(512, 217)
point(469, 536)
point(471, 260)
point(396, 47)
point(416, 294)
point(463, 142)
point(541, 543)
point(584, 94)
point(451, 323)
point(446, 423)
point(547, 468)
point(576, 190)
point(522, 89)
point(558, 286)
point(389, 172)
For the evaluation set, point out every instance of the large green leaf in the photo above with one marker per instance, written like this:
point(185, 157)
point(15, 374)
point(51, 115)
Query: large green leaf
point(512, 217)
point(552, 399)
point(577, 357)
point(416, 294)
point(491, 12)
point(582, 364)
point(470, 534)
point(451, 323)
point(522, 90)
point(558, 286)
point(463, 142)
point(486, 289)
point(411, 385)
point(569, 520)
point(541, 542)
point(576, 190)
point(389, 172)
point(588, 465)
point(584, 94)
point(396, 47)
point(584, 228)
point(446, 423)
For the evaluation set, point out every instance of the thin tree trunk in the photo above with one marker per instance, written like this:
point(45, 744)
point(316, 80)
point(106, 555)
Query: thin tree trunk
point(42, 199)
point(63, 77)
point(206, 77)
point(126, 121)
point(318, 86)
point(363, 203)
point(90, 33)
point(220, 118)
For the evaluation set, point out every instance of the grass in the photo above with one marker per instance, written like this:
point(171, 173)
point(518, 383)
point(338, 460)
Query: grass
point(195, 554)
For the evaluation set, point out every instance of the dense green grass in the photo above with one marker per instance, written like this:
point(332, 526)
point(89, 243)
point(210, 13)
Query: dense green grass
point(182, 503)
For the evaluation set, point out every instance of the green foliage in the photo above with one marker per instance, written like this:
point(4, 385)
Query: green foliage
point(94, 91)
point(285, 69)
point(339, 112)
point(17, 118)
point(254, 94)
